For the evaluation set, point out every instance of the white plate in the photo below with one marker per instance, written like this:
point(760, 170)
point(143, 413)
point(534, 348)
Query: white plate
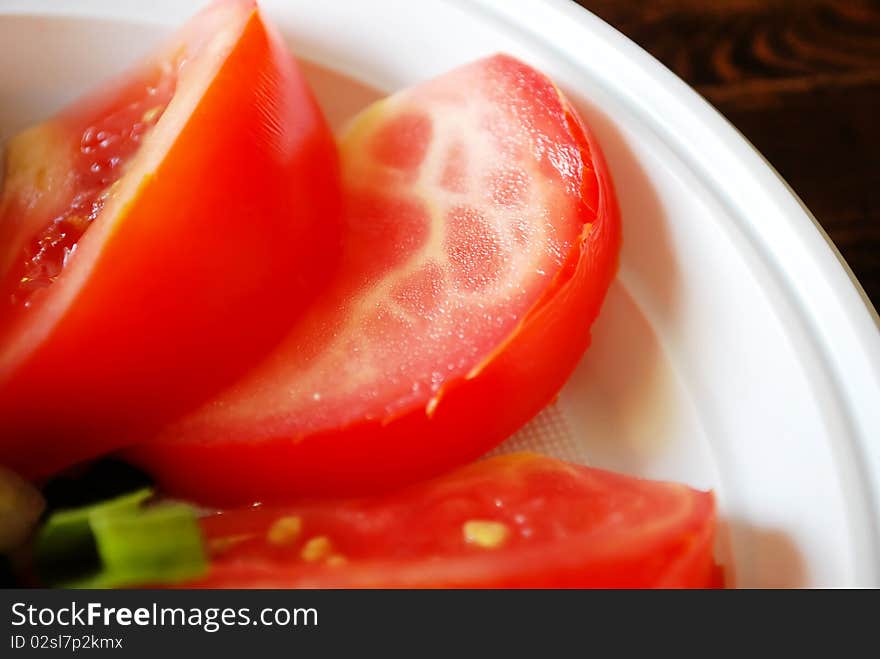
point(735, 351)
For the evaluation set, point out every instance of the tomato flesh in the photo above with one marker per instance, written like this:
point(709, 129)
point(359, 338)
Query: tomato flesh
point(510, 521)
point(108, 142)
point(157, 222)
point(481, 233)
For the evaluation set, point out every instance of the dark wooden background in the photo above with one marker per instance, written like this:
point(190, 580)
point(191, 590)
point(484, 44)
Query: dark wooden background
point(801, 80)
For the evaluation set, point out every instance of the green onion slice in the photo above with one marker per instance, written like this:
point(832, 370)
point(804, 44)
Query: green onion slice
point(122, 542)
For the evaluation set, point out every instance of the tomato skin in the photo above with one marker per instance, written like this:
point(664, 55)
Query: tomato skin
point(566, 526)
point(181, 295)
point(469, 416)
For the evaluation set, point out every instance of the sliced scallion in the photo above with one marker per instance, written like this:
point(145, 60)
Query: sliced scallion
point(121, 542)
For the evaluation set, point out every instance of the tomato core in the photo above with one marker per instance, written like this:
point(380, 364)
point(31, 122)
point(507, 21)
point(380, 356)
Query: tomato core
point(108, 141)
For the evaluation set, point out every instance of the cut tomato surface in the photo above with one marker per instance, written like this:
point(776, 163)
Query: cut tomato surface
point(511, 521)
point(157, 238)
point(481, 234)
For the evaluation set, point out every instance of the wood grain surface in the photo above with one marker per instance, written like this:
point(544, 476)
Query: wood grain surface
point(801, 80)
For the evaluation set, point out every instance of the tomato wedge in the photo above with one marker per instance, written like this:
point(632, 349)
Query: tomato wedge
point(507, 522)
point(481, 234)
point(148, 234)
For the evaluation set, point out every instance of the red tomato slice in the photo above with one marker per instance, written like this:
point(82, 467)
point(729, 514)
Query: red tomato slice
point(510, 521)
point(482, 233)
point(148, 233)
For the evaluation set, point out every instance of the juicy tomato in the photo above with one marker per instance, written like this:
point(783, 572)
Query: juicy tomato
point(147, 234)
point(481, 232)
point(511, 521)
